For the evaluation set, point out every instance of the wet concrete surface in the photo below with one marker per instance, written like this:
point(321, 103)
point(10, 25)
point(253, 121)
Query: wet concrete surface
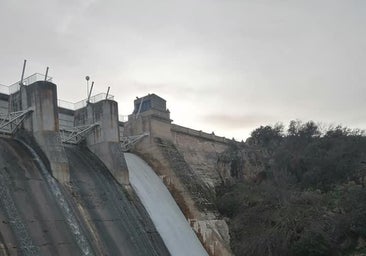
point(117, 223)
point(32, 222)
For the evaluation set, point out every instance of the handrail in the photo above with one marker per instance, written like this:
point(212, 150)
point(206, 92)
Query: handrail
point(4, 89)
point(65, 104)
point(80, 104)
point(123, 118)
point(13, 88)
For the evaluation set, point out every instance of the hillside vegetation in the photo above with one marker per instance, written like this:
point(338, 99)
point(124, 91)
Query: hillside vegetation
point(296, 192)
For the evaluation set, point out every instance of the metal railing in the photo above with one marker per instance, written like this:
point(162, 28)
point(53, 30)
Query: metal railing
point(27, 81)
point(65, 104)
point(94, 99)
point(123, 118)
point(4, 89)
point(80, 104)
point(13, 88)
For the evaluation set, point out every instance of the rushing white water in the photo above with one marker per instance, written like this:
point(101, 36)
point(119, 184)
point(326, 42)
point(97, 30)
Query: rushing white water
point(61, 201)
point(168, 219)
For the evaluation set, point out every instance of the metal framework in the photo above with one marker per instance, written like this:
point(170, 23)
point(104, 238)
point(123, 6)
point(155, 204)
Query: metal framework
point(139, 110)
point(128, 142)
point(76, 134)
point(9, 122)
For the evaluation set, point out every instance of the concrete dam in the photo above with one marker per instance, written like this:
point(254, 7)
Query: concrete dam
point(68, 187)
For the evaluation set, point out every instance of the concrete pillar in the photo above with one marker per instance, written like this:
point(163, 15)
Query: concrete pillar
point(43, 123)
point(104, 140)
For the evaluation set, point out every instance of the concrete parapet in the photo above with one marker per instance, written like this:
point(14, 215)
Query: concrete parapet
point(41, 96)
point(148, 123)
point(104, 140)
point(199, 134)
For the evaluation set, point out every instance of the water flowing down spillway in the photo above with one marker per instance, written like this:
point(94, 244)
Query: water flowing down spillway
point(163, 210)
point(91, 215)
point(31, 219)
point(63, 204)
point(117, 226)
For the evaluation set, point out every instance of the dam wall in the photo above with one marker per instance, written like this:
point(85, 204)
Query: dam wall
point(66, 118)
point(84, 210)
point(43, 123)
point(186, 160)
point(48, 118)
point(201, 150)
point(104, 140)
point(92, 215)
point(4, 103)
point(165, 213)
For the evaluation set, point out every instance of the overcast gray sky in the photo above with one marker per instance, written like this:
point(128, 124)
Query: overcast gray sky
point(227, 66)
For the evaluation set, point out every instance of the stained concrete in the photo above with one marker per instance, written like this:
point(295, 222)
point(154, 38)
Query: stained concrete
point(30, 219)
point(104, 140)
point(41, 96)
point(117, 224)
point(32, 223)
point(186, 160)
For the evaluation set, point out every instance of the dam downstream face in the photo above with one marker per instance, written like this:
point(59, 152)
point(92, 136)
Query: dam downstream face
point(117, 225)
point(32, 222)
point(163, 210)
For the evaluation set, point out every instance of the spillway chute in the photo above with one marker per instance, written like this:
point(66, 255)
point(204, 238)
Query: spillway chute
point(163, 210)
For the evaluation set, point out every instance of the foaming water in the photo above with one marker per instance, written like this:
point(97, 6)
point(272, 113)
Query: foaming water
point(168, 219)
point(61, 201)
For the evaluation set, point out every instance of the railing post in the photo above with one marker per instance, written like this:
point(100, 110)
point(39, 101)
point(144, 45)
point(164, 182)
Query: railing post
point(22, 77)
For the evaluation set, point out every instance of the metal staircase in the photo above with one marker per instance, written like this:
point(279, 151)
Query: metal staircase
point(129, 141)
point(76, 134)
point(10, 122)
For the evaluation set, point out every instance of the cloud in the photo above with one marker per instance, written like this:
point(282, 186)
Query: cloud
point(230, 121)
point(257, 61)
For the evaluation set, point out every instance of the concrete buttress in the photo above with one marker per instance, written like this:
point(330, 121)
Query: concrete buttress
point(104, 140)
point(41, 96)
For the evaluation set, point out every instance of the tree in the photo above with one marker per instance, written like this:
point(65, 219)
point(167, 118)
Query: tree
point(264, 135)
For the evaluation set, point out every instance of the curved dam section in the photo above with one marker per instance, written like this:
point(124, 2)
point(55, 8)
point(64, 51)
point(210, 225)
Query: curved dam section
point(90, 215)
point(163, 210)
point(114, 217)
point(31, 220)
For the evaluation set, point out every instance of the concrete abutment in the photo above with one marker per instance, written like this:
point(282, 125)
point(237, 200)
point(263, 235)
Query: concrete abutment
point(43, 123)
point(104, 140)
point(185, 159)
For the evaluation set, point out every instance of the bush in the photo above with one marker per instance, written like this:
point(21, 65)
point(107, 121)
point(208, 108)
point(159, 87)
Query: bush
point(311, 244)
point(314, 201)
